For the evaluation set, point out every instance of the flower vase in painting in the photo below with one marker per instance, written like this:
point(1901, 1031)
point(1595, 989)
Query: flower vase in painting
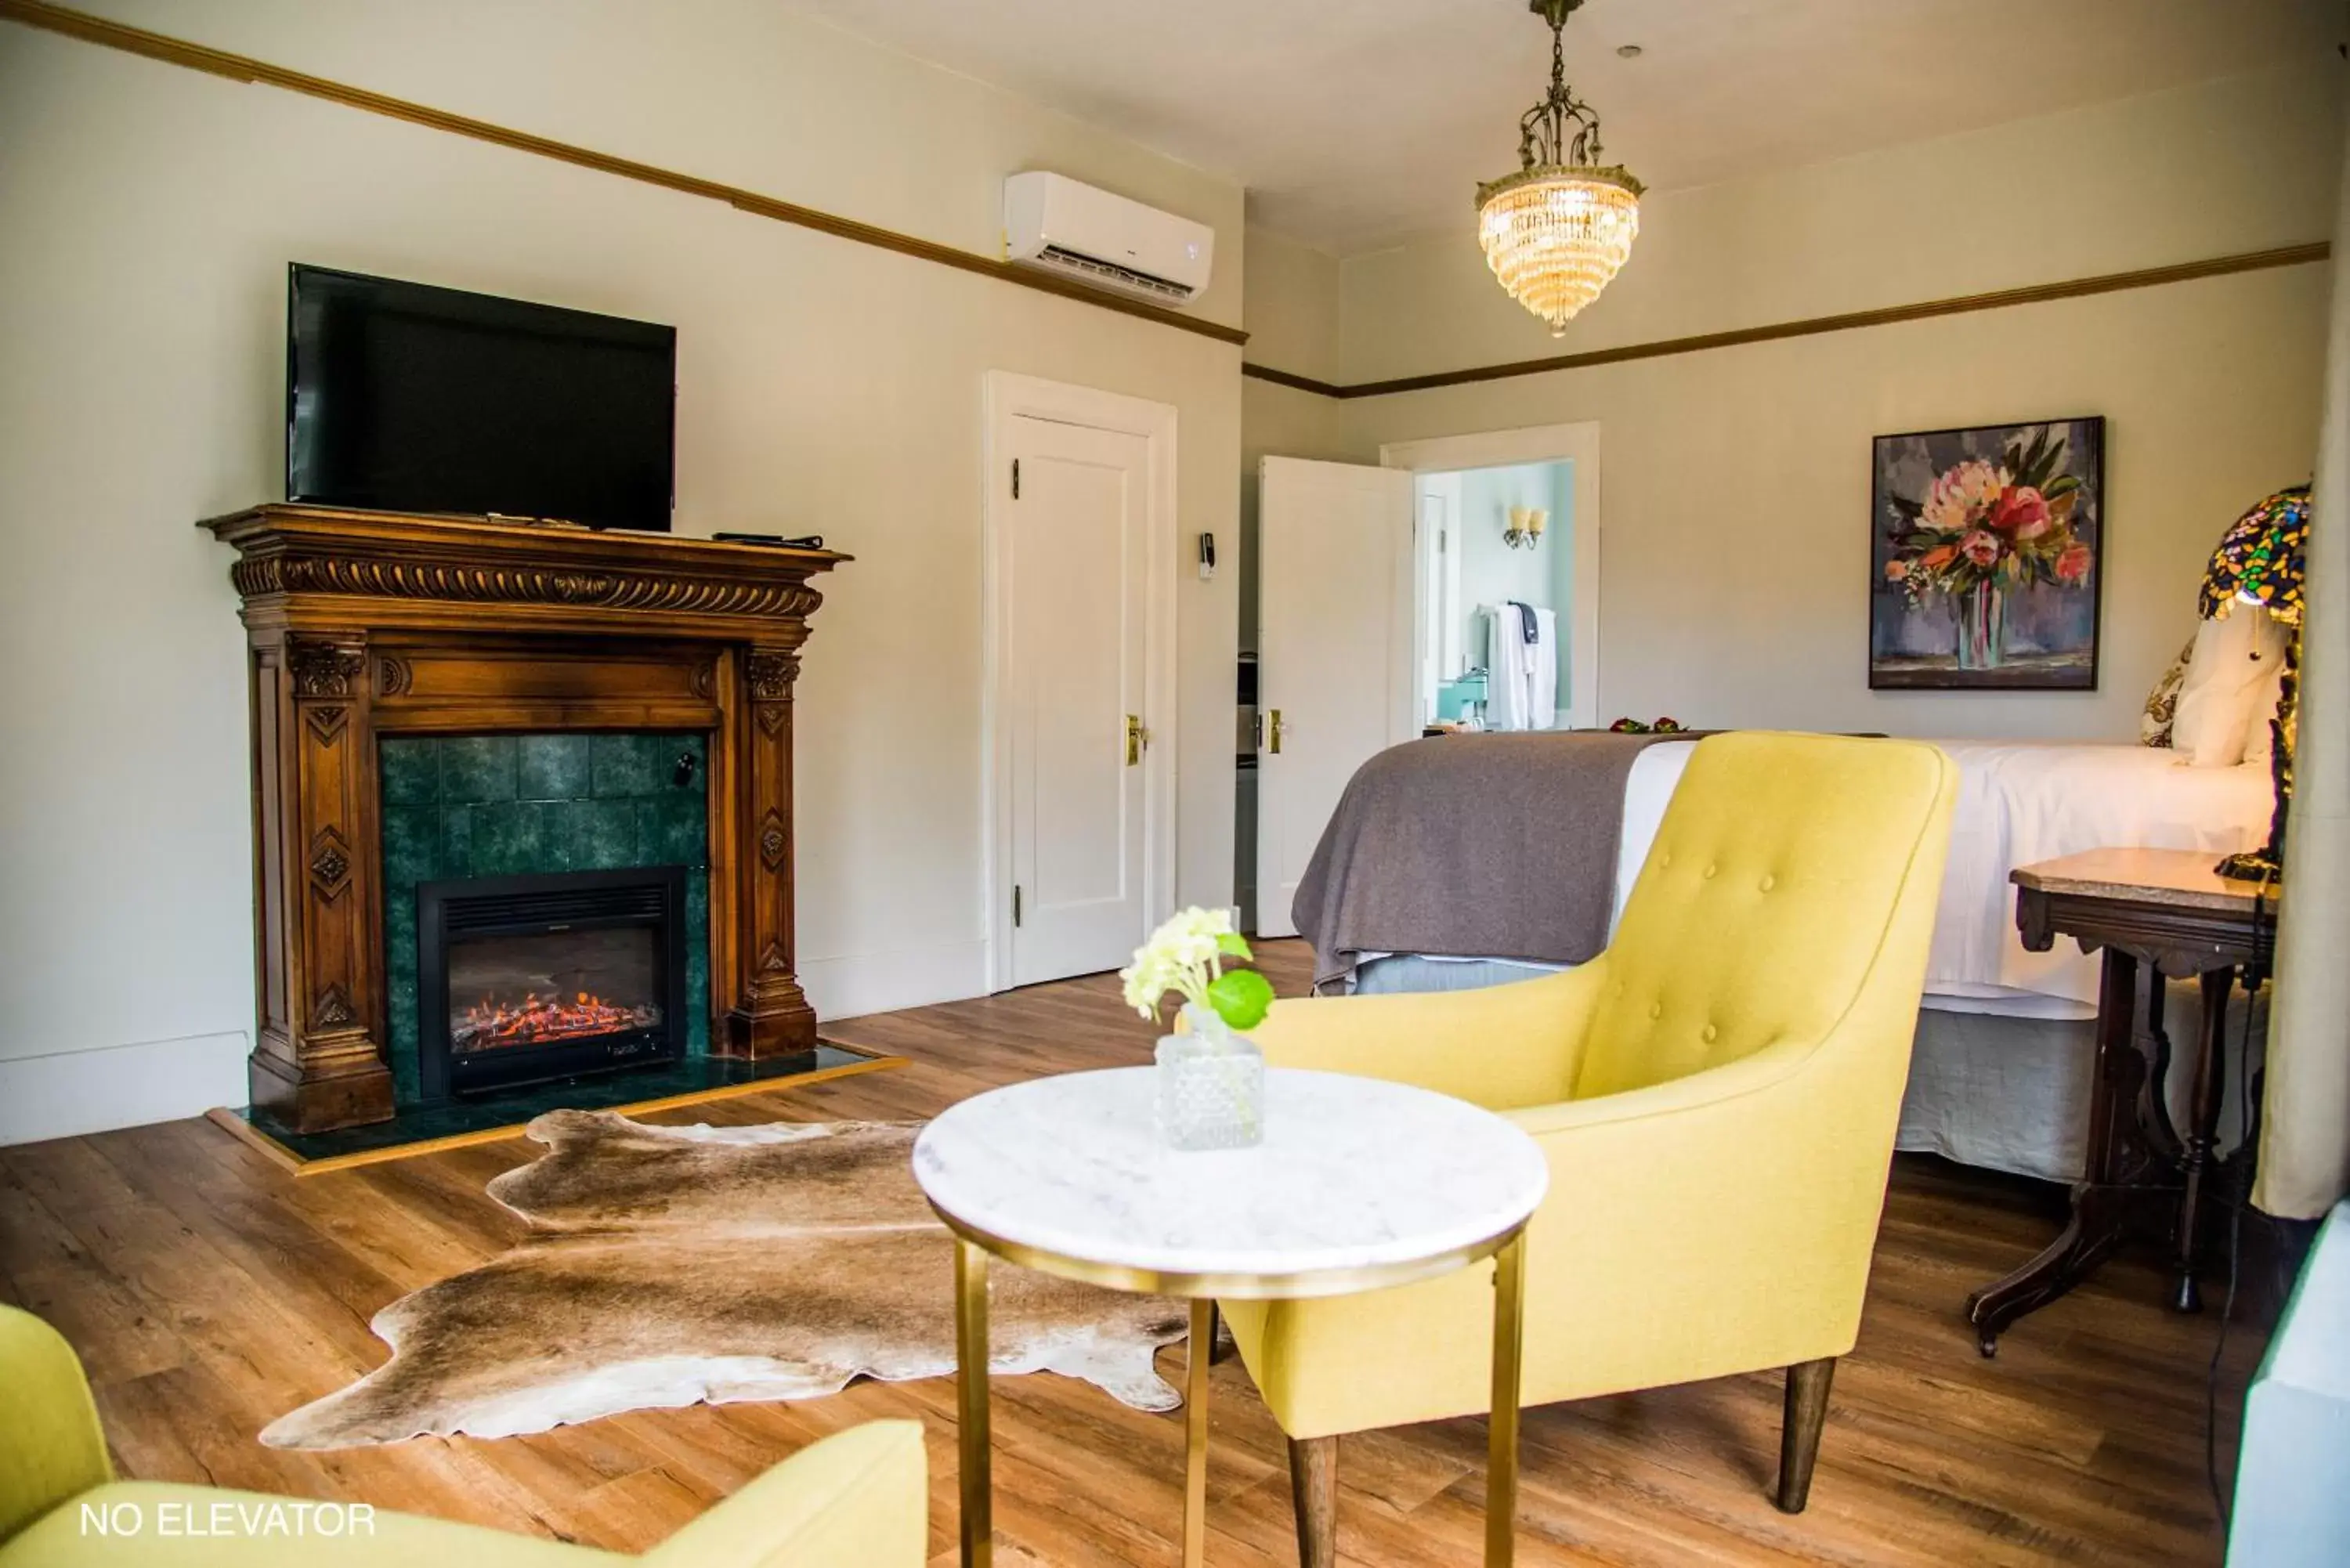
point(1982, 627)
point(1985, 568)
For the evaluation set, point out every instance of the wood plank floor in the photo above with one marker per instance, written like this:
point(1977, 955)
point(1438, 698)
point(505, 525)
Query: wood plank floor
point(208, 1292)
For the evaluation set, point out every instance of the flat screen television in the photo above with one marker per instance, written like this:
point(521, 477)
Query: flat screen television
point(405, 397)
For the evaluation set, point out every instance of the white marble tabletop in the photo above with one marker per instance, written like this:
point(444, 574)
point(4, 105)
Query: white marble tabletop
point(1354, 1174)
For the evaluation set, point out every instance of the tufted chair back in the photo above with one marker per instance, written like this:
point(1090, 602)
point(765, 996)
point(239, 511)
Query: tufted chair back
point(1784, 865)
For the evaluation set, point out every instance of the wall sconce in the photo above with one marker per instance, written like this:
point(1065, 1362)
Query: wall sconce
point(1526, 526)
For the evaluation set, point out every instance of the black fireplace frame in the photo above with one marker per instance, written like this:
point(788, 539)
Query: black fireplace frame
point(648, 896)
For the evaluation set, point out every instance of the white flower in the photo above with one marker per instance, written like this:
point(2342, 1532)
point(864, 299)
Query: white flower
point(1184, 954)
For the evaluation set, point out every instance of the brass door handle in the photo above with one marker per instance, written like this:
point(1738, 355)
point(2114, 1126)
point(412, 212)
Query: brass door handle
point(1137, 737)
point(1277, 733)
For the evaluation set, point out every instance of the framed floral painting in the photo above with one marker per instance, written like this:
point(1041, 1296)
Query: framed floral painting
point(1986, 567)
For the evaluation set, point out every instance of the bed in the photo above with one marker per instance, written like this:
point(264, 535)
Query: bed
point(2001, 1073)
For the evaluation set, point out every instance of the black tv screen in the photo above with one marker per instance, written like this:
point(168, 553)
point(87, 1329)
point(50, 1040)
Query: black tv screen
point(406, 398)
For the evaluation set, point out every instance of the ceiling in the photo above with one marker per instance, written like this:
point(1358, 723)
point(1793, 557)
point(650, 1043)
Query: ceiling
point(1356, 123)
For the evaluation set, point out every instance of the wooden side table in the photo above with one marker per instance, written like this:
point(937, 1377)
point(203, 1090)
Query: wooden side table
point(2142, 1178)
point(1359, 1185)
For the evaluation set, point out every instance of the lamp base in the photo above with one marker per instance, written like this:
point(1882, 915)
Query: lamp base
point(2252, 866)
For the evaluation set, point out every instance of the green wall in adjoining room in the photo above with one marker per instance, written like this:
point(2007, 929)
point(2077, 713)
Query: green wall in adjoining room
point(503, 806)
point(1491, 572)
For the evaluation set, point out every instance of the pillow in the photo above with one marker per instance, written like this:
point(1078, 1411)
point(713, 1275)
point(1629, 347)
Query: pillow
point(2162, 703)
point(2259, 741)
point(2232, 657)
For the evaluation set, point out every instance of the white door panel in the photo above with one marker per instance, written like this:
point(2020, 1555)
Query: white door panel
point(1074, 598)
point(1335, 652)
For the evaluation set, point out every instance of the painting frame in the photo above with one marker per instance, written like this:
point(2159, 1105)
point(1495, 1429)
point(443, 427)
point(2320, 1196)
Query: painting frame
point(2055, 590)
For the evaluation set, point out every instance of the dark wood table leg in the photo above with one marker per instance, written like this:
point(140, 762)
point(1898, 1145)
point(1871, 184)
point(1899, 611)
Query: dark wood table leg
point(2155, 1110)
point(2100, 1219)
point(2202, 1131)
point(2107, 1199)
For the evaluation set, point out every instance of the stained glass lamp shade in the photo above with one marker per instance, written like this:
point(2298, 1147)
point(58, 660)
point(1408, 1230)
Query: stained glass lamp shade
point(2258, 569)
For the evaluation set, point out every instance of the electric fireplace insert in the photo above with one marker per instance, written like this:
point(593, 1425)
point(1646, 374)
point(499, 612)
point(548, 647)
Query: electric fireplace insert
point(524, 980)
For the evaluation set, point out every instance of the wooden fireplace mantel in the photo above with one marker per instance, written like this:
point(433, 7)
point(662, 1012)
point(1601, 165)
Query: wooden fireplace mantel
point(365, 624)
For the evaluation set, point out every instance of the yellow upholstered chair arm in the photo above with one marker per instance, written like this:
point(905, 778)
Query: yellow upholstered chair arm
point(1501, 1047)
point(51, 1449)
point(859, 1499)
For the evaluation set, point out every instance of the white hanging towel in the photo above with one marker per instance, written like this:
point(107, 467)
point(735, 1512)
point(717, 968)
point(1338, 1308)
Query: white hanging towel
point(1542, 674)
point(1508, 670)
point(1521, 677)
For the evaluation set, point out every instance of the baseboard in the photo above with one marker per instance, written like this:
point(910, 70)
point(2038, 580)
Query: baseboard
point(69, 1093)
point(857, 983)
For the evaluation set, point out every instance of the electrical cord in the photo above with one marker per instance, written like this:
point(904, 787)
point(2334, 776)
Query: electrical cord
point(2248, 1117)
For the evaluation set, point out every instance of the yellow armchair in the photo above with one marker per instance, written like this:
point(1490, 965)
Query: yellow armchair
point(1715, 1094)
point(856, 1500)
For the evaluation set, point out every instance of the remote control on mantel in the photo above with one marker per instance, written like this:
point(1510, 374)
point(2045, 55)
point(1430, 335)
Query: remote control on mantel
point(774, 541)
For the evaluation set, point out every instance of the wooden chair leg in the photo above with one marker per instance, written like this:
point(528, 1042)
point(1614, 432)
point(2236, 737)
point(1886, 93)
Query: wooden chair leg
point(1799, 1437)
point(1314, 1486)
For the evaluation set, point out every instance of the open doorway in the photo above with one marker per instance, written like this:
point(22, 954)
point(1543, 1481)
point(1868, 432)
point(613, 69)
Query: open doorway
point(1496, 596)
point(1504, 519)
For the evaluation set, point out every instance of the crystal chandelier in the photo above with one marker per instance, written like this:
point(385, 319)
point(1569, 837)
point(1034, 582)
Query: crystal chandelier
point(1556, 231)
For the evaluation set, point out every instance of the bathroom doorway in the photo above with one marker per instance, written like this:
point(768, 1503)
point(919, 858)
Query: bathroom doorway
point(1496, 595)
point(1505, 547)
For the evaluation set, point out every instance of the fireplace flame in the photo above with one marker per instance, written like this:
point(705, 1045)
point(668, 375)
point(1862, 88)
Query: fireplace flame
point(539, 1019)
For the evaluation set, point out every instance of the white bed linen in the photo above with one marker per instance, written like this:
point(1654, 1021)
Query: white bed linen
point(2017, 802)
point(2020, 802)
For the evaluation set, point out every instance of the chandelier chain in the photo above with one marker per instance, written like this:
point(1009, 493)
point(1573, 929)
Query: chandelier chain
point(1543, 133)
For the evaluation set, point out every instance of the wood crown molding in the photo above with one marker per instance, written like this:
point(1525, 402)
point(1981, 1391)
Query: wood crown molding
point(2000, 299)
point(71, 23)
point(1302, 383)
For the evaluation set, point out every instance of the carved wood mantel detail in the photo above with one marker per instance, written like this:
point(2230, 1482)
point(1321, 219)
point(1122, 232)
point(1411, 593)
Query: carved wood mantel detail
point(363, 624)
point(324, 667)
point(771, 999)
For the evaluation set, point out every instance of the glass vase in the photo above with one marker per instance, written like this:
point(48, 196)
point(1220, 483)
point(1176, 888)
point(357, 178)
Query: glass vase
point(1982, 627)
point(1211, 1084)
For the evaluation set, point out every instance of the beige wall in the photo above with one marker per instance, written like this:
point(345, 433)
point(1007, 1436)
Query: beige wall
point(148, 213)
point(2240, 165)
point(1291, 310)
point(1734, 491)
point(1735, 483)
point(1290, 307)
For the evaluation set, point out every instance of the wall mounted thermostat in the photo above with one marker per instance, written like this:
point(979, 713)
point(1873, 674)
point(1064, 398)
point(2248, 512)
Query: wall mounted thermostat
point(1207, 557)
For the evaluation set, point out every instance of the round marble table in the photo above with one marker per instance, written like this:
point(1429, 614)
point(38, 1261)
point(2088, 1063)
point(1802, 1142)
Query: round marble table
point(1358, 1185)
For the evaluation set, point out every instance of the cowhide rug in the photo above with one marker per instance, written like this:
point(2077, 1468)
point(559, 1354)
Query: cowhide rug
point(671, 1265)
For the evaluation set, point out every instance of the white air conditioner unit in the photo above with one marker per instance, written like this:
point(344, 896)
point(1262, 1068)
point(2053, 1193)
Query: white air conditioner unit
point(1057, 224)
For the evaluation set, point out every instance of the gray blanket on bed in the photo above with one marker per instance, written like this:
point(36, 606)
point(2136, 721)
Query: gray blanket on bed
point(1494, 845)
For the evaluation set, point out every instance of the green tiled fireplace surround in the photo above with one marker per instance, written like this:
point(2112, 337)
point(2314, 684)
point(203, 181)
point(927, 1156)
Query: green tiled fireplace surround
point(503, 806)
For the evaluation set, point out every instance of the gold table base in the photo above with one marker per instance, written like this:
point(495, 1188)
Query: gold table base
point(1507, 1251)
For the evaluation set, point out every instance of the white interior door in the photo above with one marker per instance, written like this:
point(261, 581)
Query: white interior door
point(1074, 597)
point(1335, 652)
